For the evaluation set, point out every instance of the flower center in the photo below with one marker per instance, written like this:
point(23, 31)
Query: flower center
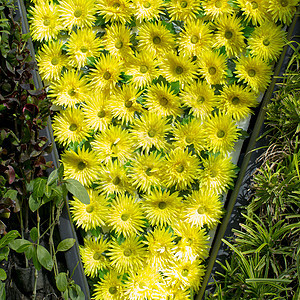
point(220, 134)
point(89, 208)
point(185, 272)
point(72, 92)
point(46, 22)
point(148, 172)
point(81, 165)
point(228, 34)
point(77, 12)
point(218, 4)
point(235, 100)
point(266, 42)
point(189, 140)
point(156, 40)
point(101, 114)
point(116, 5)
point(213, 173)
point(189, 241)
point(112, 290)
point(146, 4)
point(212, 70)
point(179, 70)
point(163, 101)
point(151, 133)
point(194, 39)
point(143, 69)
point(254, 4)
point(124, 217)
point(84, 49)
point(97, 256)
point(162, 204)
point(127, 252)
point(180, 168)
point(251, 73)
point(128, 103)
point(54, 61)
point(119, 44)
point(200, 210)
point(106, 75)
point(284, 3)
point(73, 127)
point(201, 99)
point(183, 4)
point(116, 180)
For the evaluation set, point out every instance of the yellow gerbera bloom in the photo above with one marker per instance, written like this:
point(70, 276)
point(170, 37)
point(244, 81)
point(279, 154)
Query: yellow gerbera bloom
point(126, 216)
point(122, 103)
point(80, 13)
point(191, 135)
point(180, 169)
point(115, 10)
point(143, 69)
point(106, 72)
point(69, 126)
point(150, 131)
point(69, 90)
point(217, 174)
point(89, 216)
point(162, 207)
point(221, 133)
point(178, 68)
point(109, 288)
point(254, 11)
point(162, 101)
point(229, 34)
point(213, 67)
point(51, 61)
point(236, 101)
point(113, 179)
point(186, 10)
point(216, 8)
point(113, 142)
point(266, 41)
point(195, 38)
point(155, 38)
point(45, 23)
point(145, 171)
point(282, 10)
point(129, 256)
point(92, 256)
point(254, 72)
point(200, 98)
point(203, 207)
point(82, 44)
point(83, 165)
point(147, 10)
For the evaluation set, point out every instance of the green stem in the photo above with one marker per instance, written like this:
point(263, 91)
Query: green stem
point(36, 274)
point(51, 243)
point(22, 234)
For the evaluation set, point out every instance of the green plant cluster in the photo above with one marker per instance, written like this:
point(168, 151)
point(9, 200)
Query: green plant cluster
point(265, 255)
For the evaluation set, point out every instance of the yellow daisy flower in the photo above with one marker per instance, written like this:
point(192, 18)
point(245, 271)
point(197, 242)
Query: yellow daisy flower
point(45, 23)
point(69, 90)
point(106, 72)
point(190, 134)
point(96, 113)
point(217, 8)
point(221, 133)
point(82, 44)
point(200, 98)
point(180, 169)
point(80, 13)
point(160, 244)
point(115, 10)
point(113, 179)
point(161, 100)
point(217, 174)
point(183, 10)
point(89, 216)
point(167, 291)
point(254, 72)
point(117, 40)
point(109, 288)
point(143, 69)
point(213, 67)
point(129, 256)
point(51, 61)
point(161, 207)
point(145, 171)
point(283, 10)
point(203, 207)
point(147, 10)
point(178, 68)
point(155, 38)
point(229, 34)
point(195, 38)
point(92, 256)
point(254, 11)
point(69, 126)
point(83, 165)
point(236, 100)
point(150, 131)
point(126, 216)
point(122, 103)
point(113, 142)
point(266, 41)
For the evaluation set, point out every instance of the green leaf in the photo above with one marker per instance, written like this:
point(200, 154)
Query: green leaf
point(53, 176)
point(66, 244)
point(20, 245)
point(34, 234)
point(4, 252)
point(44, 257)
point(29, 252)
point(60, 172)
point(10, 236)
point(11, 194)
point(35, 261)
point(78, 190)
point(34, 203)
point(3, 275)
point(39, 187)
point(2, 290)
point(61, 281)
point(48, 191)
